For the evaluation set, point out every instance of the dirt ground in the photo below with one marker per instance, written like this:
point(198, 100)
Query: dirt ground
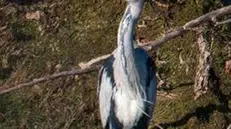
point(41, 37)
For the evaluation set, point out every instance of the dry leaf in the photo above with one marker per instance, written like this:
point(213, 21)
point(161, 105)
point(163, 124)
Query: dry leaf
point(33, 15)
point(161, 4)
point(228, 67)
point(36, 89)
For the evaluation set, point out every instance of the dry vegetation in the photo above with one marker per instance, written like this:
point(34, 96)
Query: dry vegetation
point(38, 38)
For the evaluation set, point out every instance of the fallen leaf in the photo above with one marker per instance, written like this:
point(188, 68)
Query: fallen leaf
point(161, 4)
point(33, 15)
point(228, 67)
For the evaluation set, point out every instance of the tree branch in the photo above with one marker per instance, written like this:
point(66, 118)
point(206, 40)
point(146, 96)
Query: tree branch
point(50, 77)
point(211, 16)
point(173, 34)
point(89, 66)
point(93, 61)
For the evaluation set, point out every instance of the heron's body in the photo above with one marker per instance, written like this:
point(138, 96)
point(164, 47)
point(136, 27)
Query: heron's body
point(127, 85)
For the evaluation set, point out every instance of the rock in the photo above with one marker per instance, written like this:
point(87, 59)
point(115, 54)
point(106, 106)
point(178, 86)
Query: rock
point(228, 67)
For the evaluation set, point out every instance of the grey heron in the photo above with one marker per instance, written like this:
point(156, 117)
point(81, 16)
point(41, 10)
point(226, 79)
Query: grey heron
point(127, 82)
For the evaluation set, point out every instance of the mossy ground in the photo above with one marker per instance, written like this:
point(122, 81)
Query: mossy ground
point(71, 31)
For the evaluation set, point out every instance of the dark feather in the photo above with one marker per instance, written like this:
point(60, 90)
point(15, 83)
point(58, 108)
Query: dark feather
point(107, 68)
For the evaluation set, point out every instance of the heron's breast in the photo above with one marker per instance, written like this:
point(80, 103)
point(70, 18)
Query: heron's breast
point(128, 111)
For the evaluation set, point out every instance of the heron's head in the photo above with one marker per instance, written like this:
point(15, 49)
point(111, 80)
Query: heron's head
point(141, 1)
point(137, 6)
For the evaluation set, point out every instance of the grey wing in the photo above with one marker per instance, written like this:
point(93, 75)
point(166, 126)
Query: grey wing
point(152, 84)
point(150, 80)
point(105, 90)
point(150, 88)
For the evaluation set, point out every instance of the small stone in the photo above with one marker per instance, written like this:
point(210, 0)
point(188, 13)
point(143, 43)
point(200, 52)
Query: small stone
point(33, 15)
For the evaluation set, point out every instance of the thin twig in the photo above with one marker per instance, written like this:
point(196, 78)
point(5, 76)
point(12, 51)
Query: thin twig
point(166, 94)
point(159, 126)
point(223, 22)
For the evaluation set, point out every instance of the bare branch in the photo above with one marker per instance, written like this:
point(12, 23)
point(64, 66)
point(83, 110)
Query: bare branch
point(156, 44)
point(211, 16)
point(173, 34)
point(50, 77)
point(89, 66)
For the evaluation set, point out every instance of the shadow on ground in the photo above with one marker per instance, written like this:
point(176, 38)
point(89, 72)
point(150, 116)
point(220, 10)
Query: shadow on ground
point(201, 113)
point(5, 73)
point(204, 113)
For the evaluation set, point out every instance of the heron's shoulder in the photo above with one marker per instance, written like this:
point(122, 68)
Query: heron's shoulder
point(107, 65)
point(143, 55)
point(140, 52)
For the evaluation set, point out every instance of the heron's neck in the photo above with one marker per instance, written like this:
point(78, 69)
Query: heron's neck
point(127, 75)
point(125, 39)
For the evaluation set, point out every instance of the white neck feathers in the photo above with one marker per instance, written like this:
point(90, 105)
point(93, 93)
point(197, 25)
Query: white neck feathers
point(127, 75)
